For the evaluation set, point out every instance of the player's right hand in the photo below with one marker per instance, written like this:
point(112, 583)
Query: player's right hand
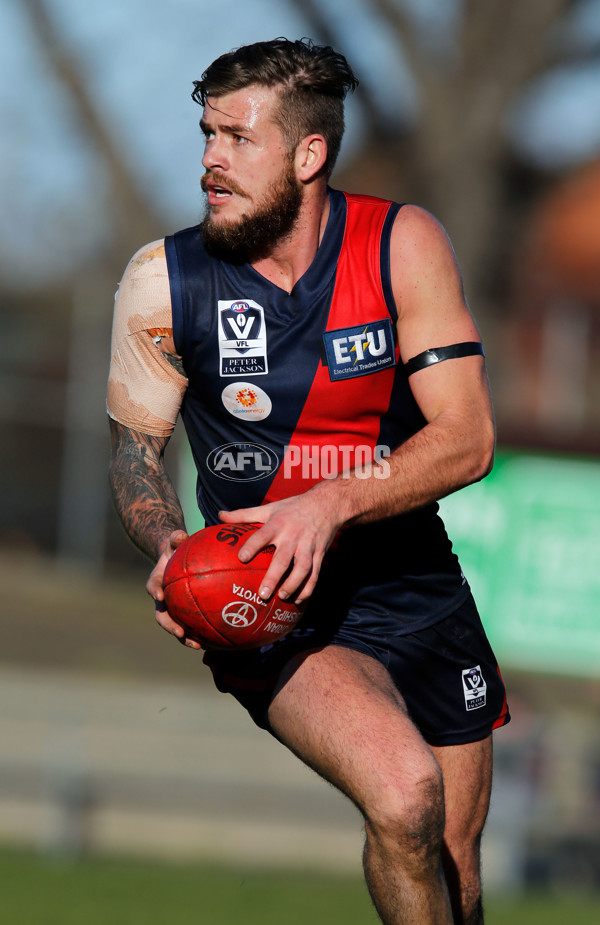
point(154, 587)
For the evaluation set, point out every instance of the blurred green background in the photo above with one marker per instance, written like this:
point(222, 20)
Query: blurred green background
point(115, 744)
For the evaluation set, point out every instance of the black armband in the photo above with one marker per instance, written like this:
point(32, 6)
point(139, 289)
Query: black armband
point(439, 354)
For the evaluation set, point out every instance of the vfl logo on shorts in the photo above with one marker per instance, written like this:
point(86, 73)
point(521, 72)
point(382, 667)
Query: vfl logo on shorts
point(474, 688)
point(242, 338)
point(360, 350)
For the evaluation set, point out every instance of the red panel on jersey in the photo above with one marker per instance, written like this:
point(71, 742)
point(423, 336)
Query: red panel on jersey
point(343, 415)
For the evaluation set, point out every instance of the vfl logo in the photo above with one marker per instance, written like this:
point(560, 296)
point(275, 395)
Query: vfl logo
point(474, 688)
point(359, 350)
point(242, 462)
point(239, 613)
point(240, 319)
point(242, 338)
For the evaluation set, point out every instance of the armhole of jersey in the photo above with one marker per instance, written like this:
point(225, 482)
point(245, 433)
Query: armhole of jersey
point(384, 260)
point(176, 291)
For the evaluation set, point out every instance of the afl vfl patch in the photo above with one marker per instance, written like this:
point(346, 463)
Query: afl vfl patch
point(359, 350)
point(242, 339)
point(474, 688)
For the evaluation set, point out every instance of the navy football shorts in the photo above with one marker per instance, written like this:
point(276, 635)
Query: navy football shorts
point(446, 672)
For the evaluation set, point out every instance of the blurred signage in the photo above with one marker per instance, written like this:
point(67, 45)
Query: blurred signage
point(528, 538)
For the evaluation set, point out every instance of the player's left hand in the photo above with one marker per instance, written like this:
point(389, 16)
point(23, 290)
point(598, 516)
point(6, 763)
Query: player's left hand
point(301, 528)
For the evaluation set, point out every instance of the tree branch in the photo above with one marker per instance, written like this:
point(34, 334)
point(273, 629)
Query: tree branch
point(138, 221)
point(377, 123)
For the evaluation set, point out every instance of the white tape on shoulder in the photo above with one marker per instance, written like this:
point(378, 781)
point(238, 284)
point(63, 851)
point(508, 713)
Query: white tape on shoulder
point(145, 390)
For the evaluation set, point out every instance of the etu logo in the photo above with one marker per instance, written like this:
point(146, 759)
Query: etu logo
point(360, 342)
point(359, 350)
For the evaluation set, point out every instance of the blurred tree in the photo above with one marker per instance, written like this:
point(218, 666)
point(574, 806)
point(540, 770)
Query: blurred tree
point(134, 217)
point(550, 388)
point(455, 158)
point(81, 522)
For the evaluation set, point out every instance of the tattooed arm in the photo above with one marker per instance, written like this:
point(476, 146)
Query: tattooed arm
point(145, 390)
point(142, 491)
point(149, 508)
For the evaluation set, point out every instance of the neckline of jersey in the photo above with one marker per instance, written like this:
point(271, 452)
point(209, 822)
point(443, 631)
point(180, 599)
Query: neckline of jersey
point(324, 265)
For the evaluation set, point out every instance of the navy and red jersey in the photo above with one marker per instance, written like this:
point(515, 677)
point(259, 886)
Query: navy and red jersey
point(287, 388)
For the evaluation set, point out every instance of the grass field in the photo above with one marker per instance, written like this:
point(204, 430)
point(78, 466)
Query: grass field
point(42, 891)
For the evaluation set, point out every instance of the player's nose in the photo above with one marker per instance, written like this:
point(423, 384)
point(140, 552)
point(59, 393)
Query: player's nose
point(215, 154)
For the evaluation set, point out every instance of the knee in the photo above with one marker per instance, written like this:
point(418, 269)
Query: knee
point(407, 817)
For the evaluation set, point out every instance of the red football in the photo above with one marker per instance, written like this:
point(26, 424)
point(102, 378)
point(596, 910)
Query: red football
point(215, 597)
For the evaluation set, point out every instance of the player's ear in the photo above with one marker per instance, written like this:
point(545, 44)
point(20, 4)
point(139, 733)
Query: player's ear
point(311, 156)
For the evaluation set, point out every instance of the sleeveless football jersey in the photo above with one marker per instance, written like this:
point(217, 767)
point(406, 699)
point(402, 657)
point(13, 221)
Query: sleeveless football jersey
point(288, 388)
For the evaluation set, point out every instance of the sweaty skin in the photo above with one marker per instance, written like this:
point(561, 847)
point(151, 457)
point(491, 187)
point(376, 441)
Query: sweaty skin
point(146, 382)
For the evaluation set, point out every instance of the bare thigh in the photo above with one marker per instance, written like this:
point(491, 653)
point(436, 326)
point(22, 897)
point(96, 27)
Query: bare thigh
point(341, 713)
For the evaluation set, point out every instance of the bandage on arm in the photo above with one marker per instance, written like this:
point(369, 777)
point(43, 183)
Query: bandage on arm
point(146, 385)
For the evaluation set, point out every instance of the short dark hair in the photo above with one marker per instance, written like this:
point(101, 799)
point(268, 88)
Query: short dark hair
point(313, 81)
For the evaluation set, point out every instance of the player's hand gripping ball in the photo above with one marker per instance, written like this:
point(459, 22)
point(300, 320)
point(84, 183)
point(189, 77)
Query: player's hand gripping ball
point(215, 597)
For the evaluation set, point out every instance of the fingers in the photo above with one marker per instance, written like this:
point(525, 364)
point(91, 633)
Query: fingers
point(302, 587)
point(301, 529)
point(301, 578)
point(175, 629)
point(288, 567)
point(296, 562)
point(166, 622)
point(255, 542)
point(154, 587)
point(244, 515)
point(176, 539)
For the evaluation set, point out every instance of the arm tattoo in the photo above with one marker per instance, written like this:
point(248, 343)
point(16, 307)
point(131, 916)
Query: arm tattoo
point(142, 492)
point(176, 362)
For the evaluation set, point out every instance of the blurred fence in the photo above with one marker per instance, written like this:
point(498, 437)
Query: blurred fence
point(176, 771)
point(92, 764)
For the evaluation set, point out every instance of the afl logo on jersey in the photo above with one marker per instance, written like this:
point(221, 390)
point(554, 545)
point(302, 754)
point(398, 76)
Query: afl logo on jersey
point(360, 350)
point(242, 338)
point(242, 462)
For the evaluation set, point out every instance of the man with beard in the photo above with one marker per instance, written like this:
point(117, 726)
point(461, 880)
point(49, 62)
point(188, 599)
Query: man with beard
point(332, 330)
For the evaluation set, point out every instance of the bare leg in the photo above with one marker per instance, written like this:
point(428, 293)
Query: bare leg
point(467, 771)
point(339, 711)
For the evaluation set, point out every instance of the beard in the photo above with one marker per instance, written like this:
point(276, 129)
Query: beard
point(254, 235)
